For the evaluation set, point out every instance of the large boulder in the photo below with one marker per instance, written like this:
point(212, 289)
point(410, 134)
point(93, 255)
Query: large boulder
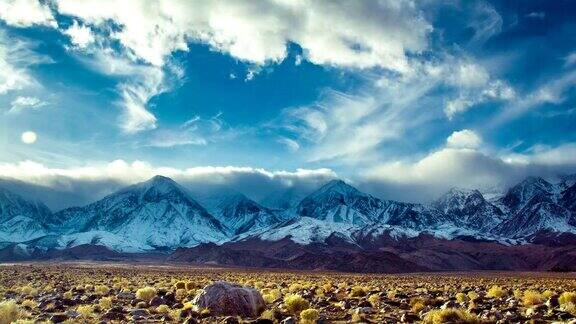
point(227, 299)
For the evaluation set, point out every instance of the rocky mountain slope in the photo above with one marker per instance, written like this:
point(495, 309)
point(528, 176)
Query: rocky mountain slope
point(160, 215)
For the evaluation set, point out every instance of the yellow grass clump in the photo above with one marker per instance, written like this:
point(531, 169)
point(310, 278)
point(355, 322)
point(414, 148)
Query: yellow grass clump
point(272, 295)
point(29, 303)
point(9, 312)
point(85, 311)
point(101, 290)
point(146, 293)
point(295, 303)
point(162, 309)
point(309, 316)
point(496, 292)
point(106, 302)
point(180, 285)
point(567, 297)
point(449, 315)
point(531, 298)
point(357, 291)
point(461, 297)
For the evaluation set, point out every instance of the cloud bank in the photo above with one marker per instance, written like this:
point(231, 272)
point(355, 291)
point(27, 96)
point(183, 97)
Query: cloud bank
point(104, 178)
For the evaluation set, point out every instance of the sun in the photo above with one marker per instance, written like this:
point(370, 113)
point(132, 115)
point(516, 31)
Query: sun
point(29, 137)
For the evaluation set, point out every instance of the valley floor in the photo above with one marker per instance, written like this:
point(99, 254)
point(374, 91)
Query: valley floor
point(86, 292)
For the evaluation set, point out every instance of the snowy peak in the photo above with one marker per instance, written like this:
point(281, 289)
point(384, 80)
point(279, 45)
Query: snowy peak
point(157, 213)
point(156, 188)
point(240, 214)
point(517, 197)
point(339, 202)
point(337, 187)
point(458, 199)
point(469, 210)
point(20, 219)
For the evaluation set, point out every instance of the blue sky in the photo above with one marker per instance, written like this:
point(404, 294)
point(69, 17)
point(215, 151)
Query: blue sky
point(403, 98)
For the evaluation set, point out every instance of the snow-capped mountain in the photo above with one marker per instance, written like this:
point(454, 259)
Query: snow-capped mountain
point(22, 220)
point(469, 209)
point(238, 213)
point(160, 214)
point(519, 195)
point(157, 213)
point(338, 202)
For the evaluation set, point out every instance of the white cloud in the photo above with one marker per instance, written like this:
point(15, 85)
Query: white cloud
point(360, 34)
point(464, 139)
point(431, 175)
point(80, 36)
point(485, 21)
point(26, 13)
point(570, 59)
point(469, 75)
point(195, 131)
point(536, 15)
point(255, 182)
point(138, 84)
point(16, 57)
point(549, 92)
point(474, 86)
point(22, 103)
point(290, 144)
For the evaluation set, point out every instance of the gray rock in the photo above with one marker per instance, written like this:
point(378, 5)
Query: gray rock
point(226, 299)
point(289, 320)
point(139, 312)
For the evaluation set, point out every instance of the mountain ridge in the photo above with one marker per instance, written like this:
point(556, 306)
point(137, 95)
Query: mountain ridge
point(161, 215)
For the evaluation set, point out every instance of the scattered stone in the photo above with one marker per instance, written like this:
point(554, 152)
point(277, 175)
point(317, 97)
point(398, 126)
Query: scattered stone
point(223, 298)
point(409, 318)
point(59, 318)
point(289, 320)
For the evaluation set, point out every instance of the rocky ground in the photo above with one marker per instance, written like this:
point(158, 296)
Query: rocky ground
point(96, 293)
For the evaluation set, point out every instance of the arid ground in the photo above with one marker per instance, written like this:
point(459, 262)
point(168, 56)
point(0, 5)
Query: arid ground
point(96, 292)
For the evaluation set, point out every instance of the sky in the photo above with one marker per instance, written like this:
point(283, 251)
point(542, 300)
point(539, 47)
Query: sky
point(404, 99)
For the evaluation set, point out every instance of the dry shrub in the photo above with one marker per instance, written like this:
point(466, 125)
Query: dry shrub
point(190, 286)
point(146, 293)
point(29, 290)
point(309, 316)
point(357, 291)
point(531, 298)
point(68, 295)
point(374, 299)
point(163, 309)
point(294, 287)
point(496, 292)
point(180, 285)
point(85, 311)
point(271, 296)
point(449, 315)
point(295, 303)
point(567, 297)
point(101, 290)
point(181, 293)
point(548, 293)
point(106, 302)
point(569, 308)
point(461, 297)
point(269, 315)
point(9, 312)
point(472, 295)
point(29, 303)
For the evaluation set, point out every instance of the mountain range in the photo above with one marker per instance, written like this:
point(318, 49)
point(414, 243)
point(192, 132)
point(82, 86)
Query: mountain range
point(531, 226)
